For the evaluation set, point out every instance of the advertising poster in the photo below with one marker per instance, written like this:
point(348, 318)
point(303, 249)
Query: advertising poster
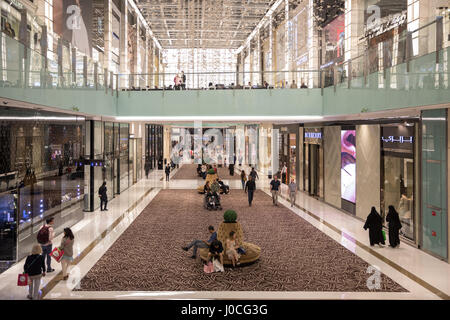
point(348, 165)
point(73, 21)
point(334, 39)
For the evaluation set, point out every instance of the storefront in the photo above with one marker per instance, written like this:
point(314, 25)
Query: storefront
point(154, 150)
point(313, 168)
point(252, 145)
point(434, 227)
point(398, 173)
point(287, 152)
point(41, 176)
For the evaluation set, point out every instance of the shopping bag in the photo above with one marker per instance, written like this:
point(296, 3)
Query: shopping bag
point(208, 268)
point(57, 253)
point(218, 267)
point(22, 280)
point(384, 235)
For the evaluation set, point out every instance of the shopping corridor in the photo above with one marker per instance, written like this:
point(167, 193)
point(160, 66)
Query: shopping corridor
point(133, 251)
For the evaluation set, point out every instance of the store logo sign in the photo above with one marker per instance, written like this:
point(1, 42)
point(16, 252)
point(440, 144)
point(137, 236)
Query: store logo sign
point(376, 26)
point(401, 139)
point(73, 21)
point(313, 135)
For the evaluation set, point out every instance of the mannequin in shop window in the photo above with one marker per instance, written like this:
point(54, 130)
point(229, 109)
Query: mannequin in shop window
point(283, 173)
point(9, 30)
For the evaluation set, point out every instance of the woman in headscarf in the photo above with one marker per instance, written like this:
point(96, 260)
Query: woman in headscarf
point(394, 227)
point(374, 223)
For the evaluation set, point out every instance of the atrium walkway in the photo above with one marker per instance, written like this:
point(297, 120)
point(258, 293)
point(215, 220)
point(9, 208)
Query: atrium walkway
point(311, 251)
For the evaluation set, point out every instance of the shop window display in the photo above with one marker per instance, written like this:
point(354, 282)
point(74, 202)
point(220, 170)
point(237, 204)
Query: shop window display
point(41, 176)
point(397, 172)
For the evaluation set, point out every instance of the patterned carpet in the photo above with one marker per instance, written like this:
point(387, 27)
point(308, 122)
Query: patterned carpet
point(189, 171)
point(295, 255)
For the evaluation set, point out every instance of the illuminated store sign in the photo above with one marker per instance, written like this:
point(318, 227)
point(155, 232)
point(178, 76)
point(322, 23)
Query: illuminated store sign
point(386, 24)
point(400, 139)
point(313, 135)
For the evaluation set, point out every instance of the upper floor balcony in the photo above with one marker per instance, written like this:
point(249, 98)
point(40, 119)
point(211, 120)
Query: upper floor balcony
point(349, 87)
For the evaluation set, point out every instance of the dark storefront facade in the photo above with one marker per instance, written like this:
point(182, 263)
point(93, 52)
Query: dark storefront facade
point(51, 165)
point(41, 175)
point(154, 146)
point(313, 162)
point(107, 159)
point(288, 152)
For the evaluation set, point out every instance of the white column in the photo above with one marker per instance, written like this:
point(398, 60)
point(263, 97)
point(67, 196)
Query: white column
point(270, 76)
point(287, 77)
point(108, 35)
point(124, 70)
point(313, 47)
point(258, 56)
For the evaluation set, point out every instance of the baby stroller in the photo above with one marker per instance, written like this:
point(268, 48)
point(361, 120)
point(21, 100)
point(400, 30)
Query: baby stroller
point(224, 188)
point(212, 201)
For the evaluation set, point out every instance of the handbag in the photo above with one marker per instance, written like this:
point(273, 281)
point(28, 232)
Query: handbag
point(208, 268)
point(57, 254)
point(218, 267)
point(22, 280)
point(240, 250)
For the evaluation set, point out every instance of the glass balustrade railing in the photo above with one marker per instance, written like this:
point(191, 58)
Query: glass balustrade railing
point(412, 59)
point(23, 67)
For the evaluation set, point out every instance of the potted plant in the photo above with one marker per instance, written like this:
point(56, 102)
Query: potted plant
point(230, 216)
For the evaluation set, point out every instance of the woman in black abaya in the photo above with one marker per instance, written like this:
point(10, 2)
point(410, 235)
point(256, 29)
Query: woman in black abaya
point(374, 223)
point(394, 227)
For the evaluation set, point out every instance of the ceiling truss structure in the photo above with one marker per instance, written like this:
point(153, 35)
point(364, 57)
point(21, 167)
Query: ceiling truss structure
point(203, 23)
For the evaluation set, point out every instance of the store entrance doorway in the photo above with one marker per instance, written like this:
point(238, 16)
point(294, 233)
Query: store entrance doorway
point(135, 159)
point(313, 169)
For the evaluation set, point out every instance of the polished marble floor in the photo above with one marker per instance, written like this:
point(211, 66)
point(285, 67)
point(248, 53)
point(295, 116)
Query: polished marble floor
point(424, 276)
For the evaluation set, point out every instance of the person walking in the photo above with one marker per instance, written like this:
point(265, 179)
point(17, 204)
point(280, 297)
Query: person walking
point(67, 247)
point(243, 178)
point(45, 237)
point(147, 168)
point(254, 174)
point(231, 169)
point(250, 188)
point(200, 243)
point(102, 193)
point(394, 227)
point(374, 223)
point(35, 268)
point(275, 189)
point(167, 171)
point(292, 191)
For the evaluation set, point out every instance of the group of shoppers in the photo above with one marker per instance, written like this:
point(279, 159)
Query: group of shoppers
point(35, 265)
point(374, 223)
point(215, 246)
point(179, 81)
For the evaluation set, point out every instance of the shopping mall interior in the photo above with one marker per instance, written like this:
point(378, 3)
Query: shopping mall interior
point(344, 102)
